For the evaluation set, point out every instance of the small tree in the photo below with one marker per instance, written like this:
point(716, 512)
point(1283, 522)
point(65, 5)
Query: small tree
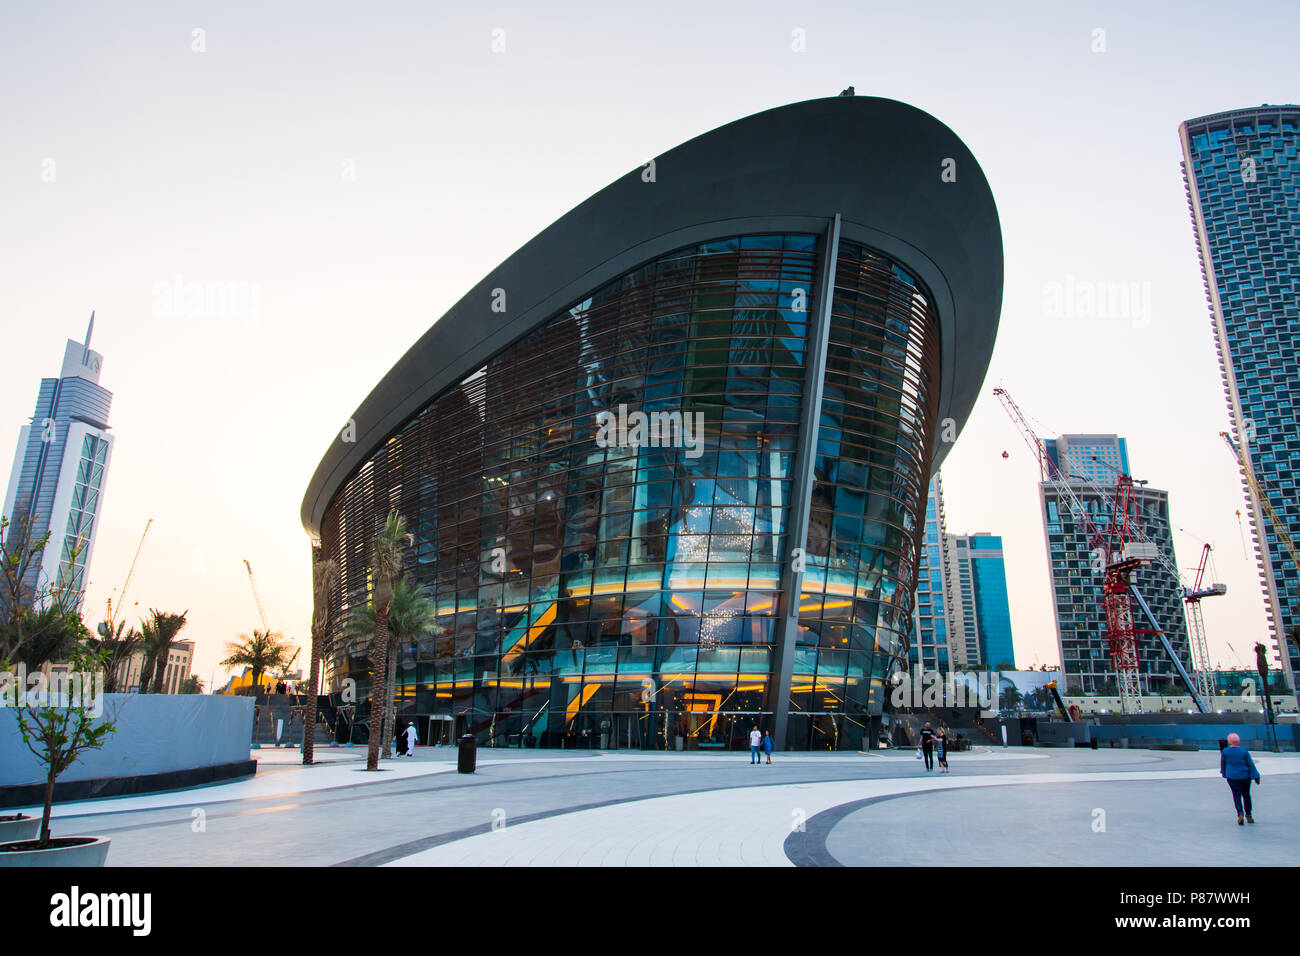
point(192, 685)
point(61, 727)
point(51, 632)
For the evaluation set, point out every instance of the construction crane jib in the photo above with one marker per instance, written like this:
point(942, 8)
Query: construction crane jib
point(256, 598)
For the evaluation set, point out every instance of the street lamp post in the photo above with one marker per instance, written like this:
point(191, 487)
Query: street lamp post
point(1261, 665)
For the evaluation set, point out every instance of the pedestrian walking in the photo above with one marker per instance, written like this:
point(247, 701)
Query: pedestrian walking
point(927, 745)
point(411, 735)
point(941, 750)
point(399, 741)
point(767, 745)
point(755, 742)
point(1238, 769)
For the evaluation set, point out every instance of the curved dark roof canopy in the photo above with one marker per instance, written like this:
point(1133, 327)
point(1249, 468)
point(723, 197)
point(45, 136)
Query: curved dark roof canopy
point(879, 163)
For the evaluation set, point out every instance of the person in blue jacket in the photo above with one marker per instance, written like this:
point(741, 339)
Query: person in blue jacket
point(1238, 769)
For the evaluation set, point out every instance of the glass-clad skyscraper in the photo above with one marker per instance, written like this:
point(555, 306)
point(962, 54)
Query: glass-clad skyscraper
point(59, 475)
point(978, 611)
point(1243, 175)
point(1095, 458)
point(665, 468)
point(929, 649)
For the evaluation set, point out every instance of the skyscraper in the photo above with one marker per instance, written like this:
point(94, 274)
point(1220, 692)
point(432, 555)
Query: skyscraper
point(1096, 458)
point(963, 622)
point(59, 471)
point(962, 619)
point(1077, 578)
point(1241, 170)
point(930, 649)
point(979, 613)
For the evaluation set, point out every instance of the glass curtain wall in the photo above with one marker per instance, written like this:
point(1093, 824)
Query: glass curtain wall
point(599, 512)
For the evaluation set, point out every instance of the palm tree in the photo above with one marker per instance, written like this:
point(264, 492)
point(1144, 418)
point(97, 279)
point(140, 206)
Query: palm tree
point(263, 651)
point(159, 633)
point(411, 615)
point(49, 633)
point(324, 580)
point(389, 548)
point(119, 649)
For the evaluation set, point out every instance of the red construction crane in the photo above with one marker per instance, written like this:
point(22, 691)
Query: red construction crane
point(1117, 587)
point(1120, 549)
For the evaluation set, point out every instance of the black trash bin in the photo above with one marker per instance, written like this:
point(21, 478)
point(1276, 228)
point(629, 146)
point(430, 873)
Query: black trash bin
point(467, 756)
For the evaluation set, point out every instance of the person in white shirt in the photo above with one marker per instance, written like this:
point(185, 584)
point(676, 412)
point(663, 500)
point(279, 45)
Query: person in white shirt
point(410, 739)
point(755, 745)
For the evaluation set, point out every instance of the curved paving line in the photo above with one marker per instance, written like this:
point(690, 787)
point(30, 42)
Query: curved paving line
point(411, 847)
point(197, 791)
point(329, 795)
point(808, 848)
point(343, 792)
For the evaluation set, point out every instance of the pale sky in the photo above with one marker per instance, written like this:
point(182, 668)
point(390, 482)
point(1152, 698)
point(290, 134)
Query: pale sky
point(356, 168)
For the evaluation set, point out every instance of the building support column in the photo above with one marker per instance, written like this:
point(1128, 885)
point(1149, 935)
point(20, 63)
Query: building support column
point(801, 486)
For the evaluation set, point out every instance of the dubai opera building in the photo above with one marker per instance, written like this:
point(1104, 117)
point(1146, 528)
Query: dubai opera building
point(665, 467)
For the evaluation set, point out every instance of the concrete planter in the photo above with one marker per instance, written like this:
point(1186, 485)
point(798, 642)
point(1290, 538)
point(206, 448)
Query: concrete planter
point(15, 829)
point(66, 851)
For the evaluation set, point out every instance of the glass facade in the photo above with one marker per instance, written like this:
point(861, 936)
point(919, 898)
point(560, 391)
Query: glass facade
point(1242, 171)
point(59, 475)
point(992, 607)
point(80, 526)
point(1095, 458)
point(600, 511)
point(928, 649)
point(979, 616)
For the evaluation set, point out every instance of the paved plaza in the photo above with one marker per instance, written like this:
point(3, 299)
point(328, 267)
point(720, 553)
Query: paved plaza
point(998, 807)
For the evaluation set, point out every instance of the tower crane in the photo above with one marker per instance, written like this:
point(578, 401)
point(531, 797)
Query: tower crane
point(261, 612)
point(256, 599)
point(1196, 624)
point(1202, 667)
point(1279, 527)
point(284, 671)
point(1121, 549)
point(110, 616)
